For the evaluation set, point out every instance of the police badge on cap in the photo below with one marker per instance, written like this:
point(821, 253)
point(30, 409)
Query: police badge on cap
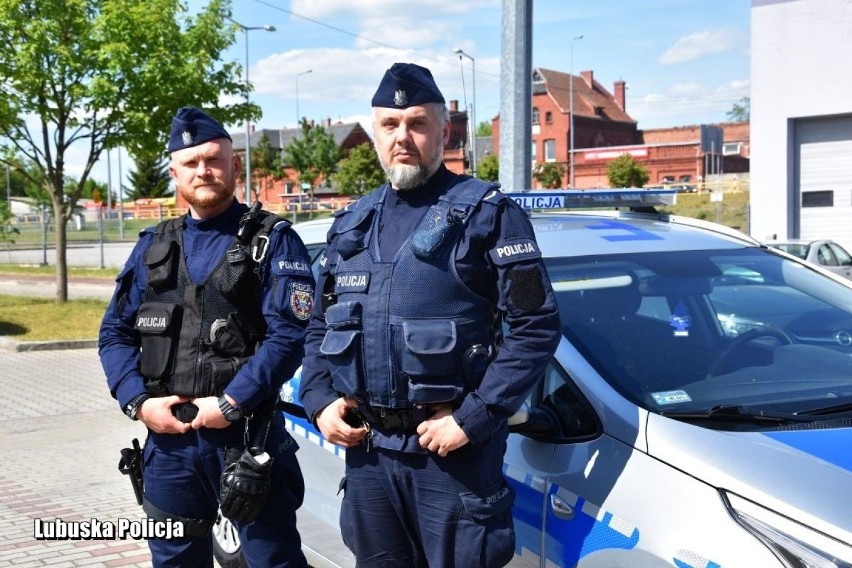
point(192, 126)
point(405, 85)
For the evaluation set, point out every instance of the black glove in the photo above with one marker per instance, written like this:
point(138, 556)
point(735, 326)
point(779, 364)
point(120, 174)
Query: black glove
point(245, 483)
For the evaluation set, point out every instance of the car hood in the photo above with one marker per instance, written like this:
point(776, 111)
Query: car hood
point(804, 474)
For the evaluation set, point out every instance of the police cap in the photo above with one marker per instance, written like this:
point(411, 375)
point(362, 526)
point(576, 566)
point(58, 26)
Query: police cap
point(405, 85)
point(192, 126)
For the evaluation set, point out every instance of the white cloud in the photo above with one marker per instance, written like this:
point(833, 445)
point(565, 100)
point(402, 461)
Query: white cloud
point(697, 45)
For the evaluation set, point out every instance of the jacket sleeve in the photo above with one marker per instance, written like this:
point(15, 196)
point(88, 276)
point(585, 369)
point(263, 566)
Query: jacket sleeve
point(118, 340)
point(503, 242)
point(287, 292)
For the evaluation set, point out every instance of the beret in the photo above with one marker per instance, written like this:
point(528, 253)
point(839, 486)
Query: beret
point(405, 85)
point(192, 126)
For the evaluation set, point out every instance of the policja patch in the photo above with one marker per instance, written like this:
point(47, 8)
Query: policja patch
point(301, 299)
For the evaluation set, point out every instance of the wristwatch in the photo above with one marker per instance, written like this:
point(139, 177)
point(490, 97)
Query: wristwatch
point(229, 411)
point(132, 407)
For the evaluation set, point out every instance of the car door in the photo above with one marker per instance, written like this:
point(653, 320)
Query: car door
point(844, 260)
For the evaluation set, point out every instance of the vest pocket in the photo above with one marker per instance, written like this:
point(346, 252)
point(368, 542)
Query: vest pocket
point(157, 327)
point(161, 259)
point(218, 372)
point(428, 359)
point(342, 349)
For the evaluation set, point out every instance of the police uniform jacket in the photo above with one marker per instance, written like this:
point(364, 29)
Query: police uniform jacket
point(383, 272)
point(284, 282)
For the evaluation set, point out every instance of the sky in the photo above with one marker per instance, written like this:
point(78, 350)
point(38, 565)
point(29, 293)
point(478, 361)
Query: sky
point(685, 62)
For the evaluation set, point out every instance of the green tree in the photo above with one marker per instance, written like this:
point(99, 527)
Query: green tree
point(549, 174)
point(150, 178)
point(100, 74)
point(313, 154)
point(624, 171)
point(359, 172)
point(483, 129)
point(265, 164)
point(7, 230)
point(488, 168)
point(741, 111)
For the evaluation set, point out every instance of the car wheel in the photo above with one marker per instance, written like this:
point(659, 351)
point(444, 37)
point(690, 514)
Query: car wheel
point(226, 544)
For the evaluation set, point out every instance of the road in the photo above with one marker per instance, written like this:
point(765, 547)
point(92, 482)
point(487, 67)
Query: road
point(108, 255)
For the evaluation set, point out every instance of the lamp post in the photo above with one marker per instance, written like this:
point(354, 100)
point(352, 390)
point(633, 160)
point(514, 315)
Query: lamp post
point(571, 112)
point(298, 116)
point(246, 30)
point(461, 53)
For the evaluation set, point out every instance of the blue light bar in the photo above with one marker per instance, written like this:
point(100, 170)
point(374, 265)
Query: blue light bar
point(593, 198)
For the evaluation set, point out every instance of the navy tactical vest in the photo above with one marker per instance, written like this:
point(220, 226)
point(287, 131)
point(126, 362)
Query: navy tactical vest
point(195, 337)
point(407, 331)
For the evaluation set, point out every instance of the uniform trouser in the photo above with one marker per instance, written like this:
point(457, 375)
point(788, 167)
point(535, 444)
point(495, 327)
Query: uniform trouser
point(406, 510)
point(181, 476)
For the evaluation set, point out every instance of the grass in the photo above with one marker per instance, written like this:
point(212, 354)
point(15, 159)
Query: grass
point(23, 318)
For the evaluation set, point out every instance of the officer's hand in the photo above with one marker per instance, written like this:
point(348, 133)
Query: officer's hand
point(156, 414)
point(441, 433)
point(209, 413)
point(330, 422)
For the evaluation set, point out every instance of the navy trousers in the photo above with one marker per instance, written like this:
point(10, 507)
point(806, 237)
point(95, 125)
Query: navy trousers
point(182, 475)
point(405, 510)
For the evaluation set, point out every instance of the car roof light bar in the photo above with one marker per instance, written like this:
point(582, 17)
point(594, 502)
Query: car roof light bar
point(635, 199)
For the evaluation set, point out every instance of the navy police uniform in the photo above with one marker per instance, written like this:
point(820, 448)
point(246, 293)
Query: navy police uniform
point(415, 291)
point(191, 293)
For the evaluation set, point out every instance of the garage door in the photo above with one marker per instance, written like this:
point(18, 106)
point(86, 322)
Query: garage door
point(824, 157)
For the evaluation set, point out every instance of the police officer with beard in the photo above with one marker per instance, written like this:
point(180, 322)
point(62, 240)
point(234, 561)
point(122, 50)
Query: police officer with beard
point(407, 363)
point(206, 323)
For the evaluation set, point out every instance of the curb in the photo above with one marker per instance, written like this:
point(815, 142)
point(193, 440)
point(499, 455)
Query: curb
point(12, 345)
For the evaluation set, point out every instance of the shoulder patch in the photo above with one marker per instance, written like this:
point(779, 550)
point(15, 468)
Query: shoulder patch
point(301, 299)
point(292, 265)
point(509, 251)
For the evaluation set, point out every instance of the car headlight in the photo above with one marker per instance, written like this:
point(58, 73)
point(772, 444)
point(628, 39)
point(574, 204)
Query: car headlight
point(795, 545)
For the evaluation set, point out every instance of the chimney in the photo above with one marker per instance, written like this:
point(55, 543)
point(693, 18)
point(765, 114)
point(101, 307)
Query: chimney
point(589, 77)
point(620, 88)
point(454, 106)
point(327, 122)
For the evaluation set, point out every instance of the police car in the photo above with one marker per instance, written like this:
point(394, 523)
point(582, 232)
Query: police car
point(697, 413)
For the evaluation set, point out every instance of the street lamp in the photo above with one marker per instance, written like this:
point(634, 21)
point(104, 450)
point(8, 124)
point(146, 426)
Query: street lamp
point(246, 30)
point(571, 112)
point(298, 116)
point(472, 110)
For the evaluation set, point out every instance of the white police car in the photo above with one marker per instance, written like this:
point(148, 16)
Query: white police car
point(697, 414)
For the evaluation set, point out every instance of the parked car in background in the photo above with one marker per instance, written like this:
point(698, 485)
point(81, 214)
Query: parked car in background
point(697, 412)
point(825, 253)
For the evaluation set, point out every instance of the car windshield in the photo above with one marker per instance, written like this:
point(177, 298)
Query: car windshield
point(687, 331)
point(800, 250)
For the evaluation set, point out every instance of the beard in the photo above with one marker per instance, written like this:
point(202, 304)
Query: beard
point(208, 195)
point(410, 176)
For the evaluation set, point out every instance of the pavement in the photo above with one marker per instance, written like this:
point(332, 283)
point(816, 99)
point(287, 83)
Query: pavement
point(60, 436)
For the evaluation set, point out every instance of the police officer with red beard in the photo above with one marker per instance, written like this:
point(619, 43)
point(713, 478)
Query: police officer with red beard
point(407, 363)
point(206, 323)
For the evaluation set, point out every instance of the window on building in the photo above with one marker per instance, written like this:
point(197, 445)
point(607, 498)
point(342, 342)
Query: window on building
point(550, 150)
point(548, 117)
point(532, 152)
point(535, 119)
point(288, 188)
point(818, 198)
point(731, 149)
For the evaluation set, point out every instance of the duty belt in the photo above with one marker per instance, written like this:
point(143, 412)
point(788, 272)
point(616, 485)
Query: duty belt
point(400, 419)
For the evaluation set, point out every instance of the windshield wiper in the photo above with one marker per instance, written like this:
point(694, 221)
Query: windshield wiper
point(827, 410)
point(737, 413)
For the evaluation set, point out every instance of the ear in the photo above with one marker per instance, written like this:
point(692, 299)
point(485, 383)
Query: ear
point(447, 133)
point(238, 164)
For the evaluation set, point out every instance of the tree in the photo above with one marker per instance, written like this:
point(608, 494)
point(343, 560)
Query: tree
point(7, 230)
point(150, 178)
point(99, 74)
point(624, 171)
point(488, 168)
point(741, 111)
point(313, 154)
point(549, 174)
point(265, 163)
point(483, 129)
point(359, 172)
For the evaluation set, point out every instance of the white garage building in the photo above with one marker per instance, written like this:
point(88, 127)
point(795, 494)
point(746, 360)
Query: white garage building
point(801, 119)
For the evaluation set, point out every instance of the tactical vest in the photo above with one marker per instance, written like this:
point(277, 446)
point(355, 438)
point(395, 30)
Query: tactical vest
point(407, 331)
point(195, 337)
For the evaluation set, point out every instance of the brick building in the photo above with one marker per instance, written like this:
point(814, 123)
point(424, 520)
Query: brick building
point(603, 130)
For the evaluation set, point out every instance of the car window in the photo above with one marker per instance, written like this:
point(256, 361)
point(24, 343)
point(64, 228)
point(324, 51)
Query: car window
point(572, 412)
point(825, 256)
point(843, 257)
point(679, 330)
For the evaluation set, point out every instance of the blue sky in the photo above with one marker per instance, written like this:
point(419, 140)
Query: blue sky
point(684, 61)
